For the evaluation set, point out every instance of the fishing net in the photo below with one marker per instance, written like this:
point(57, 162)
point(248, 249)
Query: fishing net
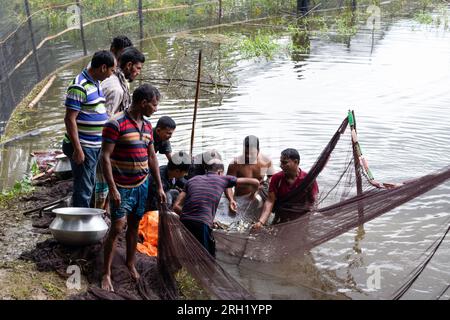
point(350, 197)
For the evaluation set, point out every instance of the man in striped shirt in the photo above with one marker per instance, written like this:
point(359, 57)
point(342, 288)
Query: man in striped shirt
point(198, 203)
point(84, 119)
point(127, 155)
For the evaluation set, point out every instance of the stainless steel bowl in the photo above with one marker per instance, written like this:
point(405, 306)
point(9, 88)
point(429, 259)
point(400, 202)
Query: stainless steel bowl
point(78, 226)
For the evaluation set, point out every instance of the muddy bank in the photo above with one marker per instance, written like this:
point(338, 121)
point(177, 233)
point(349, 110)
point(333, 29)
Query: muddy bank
point(34, 265)
point(20, 279)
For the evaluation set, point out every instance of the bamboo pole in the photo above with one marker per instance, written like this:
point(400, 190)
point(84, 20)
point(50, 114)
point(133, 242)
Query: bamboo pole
point(6, 75)
point(83, 41)
point(33, 43)
point(357, 166)
point(196, 100)
point(43, 91)
point(141, 20)
point(220, 11)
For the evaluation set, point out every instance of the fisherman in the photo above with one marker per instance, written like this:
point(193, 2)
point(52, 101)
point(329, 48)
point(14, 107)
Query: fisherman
point(197, 204)
point(251, 164)
point(117, 94)
point(199, 162)
point(116, 88)
point(172, 179)
point(283, 184)
point(127, 155)
point(164, 130)
point(85, 116)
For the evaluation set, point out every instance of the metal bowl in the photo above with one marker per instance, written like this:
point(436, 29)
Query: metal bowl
point(63, 169)
point(78, 226)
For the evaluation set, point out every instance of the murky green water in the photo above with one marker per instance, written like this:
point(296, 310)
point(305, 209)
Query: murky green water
point(397, 83)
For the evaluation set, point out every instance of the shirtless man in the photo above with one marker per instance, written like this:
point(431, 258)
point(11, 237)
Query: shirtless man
point(251, 164)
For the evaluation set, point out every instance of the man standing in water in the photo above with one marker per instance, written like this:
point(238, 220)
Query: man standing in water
point(127, 155)
point(251, 164)
point(282, 184)
point(84, 119)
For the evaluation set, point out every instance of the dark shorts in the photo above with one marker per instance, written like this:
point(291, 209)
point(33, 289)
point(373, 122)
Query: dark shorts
point(203, 233)
point(133, 201)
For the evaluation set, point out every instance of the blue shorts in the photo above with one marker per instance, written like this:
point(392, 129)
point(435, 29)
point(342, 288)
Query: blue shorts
point(133, 201)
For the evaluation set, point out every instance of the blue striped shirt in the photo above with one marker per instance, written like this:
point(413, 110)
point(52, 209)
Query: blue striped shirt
point(203, 196)
point(85, 95)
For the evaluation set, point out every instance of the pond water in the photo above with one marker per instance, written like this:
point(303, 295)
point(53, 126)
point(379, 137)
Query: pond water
point(397, 82)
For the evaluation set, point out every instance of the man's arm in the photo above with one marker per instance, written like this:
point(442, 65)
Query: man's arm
point(231, 171)
point(252, 182)
point(267, 210)
point(270, 171)
point(113, 93)
point(178, 205)
point(107, 149)
point(154, 167)
point(70, 120)
point(168, 156)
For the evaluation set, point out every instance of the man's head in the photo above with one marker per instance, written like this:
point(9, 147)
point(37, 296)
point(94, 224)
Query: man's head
point(179, 165)
point(215, 165)
point(146, 99)
point(210, 155)
point(165, 128)
point(118, 44)
point(289, 160)
point(251, 149)
point(103, 65)
point(131, 61)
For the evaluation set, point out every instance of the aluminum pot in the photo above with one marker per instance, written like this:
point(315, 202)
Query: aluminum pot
point(78, 226)
point(63, 169)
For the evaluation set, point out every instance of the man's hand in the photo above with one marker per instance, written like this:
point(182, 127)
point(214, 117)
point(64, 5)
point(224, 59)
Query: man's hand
point(115, 196)
point(233, 206)
point(162, 196)
point(78, 156)
point(257, 226)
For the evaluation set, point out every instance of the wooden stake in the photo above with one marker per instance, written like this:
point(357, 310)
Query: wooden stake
point(33, 43)
point(83, 41)
point(196, 100)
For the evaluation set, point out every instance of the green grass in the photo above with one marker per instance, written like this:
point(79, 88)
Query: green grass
point(260, 45)
point(20, 188)
point(189, 287)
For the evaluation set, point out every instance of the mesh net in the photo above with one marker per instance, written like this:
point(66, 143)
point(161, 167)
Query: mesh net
point(339, 210)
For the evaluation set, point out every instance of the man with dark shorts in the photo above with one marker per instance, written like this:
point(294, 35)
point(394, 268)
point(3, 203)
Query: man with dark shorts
point(127, 155)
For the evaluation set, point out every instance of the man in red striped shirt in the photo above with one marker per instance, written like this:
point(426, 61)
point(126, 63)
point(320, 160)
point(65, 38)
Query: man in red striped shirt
point(127, 155)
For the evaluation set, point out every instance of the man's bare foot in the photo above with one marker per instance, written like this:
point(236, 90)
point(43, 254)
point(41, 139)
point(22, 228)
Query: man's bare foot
point(107, 284)
point(134, 274)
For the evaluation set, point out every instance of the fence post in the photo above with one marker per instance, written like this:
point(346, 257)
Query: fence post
point(220, 11)
point(33, 43)
point(5, 73)
point(83, 41)
point(141, 20)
